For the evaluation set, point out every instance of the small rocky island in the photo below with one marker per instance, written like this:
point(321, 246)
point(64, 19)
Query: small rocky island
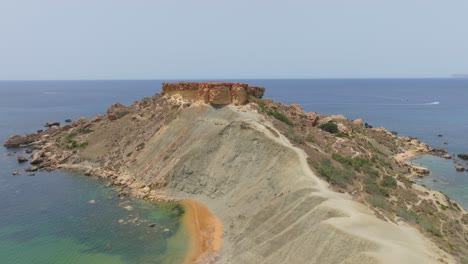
point(272, 183)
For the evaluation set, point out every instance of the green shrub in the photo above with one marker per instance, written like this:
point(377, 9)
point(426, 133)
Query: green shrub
point(389, 181)
point(330, 127)
point(310, 138)
point(429, 226)
point(342, 135)
point(380, 202)
point(409, 215)
point(335, 175)
point(121, 113)
point(69, 142)
point(280, 116)
point(291, 135)
point(371, 187)
point(358, 163)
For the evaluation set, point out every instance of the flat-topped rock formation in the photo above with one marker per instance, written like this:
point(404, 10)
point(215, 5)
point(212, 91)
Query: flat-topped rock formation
point(216, 93)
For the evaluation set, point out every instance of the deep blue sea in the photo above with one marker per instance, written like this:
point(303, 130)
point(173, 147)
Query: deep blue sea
point(48, 219)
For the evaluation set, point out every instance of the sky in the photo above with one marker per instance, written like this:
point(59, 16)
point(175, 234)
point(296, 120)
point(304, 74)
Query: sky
point(220, 39)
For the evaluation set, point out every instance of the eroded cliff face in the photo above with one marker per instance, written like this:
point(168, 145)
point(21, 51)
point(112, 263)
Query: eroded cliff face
point(216, 93)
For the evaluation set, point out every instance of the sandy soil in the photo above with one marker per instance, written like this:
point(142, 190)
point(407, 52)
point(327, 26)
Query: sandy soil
point(205, 231)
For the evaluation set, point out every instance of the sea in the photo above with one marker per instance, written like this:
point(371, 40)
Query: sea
point(66, 217)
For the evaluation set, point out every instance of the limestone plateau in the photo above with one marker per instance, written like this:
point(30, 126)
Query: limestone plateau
point(288, 186)
point(217, 93)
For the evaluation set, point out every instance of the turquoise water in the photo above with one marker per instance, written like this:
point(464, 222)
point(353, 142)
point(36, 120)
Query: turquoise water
point(48, 218)
point(444, 178)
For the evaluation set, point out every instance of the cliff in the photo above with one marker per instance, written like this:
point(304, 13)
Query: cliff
point(216, 93)
point(285, 189)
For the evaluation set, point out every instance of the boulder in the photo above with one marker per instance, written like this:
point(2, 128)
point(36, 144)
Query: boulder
point(116, 111)
point(32, 168)
point(459, 168)
point(418, 171)
point(463, 156)
point(68, 120)
point(51, 124)
point(447, 156)
point(37, 158)
point(22, 159)
point(16, 173)
point(357, 122)
point(343, 129)
point(338, 118)
point(312, 118)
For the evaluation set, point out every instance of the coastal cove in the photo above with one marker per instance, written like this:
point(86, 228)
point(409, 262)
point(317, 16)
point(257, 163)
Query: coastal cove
point(65, 216)
point(186, 231)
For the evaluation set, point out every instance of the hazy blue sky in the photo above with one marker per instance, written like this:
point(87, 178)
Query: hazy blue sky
point(136, 39)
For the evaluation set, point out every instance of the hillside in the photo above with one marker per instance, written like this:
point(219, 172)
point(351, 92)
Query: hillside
point(287, 186)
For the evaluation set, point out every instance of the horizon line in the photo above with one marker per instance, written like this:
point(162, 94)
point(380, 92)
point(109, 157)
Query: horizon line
point(226, 79)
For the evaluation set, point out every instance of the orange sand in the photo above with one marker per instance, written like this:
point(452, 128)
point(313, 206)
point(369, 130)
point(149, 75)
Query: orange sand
point(205, 230)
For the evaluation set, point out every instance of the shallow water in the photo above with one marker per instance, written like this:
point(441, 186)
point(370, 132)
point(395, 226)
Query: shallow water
point(444, 178)
point(48, 218)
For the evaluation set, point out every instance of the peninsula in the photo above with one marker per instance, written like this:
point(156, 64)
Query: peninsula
point(264, 182)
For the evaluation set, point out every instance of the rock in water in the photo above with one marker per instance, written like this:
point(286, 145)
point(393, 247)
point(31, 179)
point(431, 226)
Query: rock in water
point(68, 120)
point(16, 173)
point(22, 159)
point(463, 156)
point(32, 168)
point(459, 168)
point(447, 156)
point(51, 124)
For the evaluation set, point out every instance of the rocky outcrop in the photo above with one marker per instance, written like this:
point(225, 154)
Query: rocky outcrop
point(20, 141)
point(215, 93)
point(419, 171)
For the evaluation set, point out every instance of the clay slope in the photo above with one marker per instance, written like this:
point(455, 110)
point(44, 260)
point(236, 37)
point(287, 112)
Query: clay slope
point(273, 208)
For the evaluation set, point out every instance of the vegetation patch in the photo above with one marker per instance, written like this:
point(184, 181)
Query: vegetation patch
point(69, 142)
point(294, 137)
point(372, 187)
point(380, 202)
point(121, 113)
point(335, 175)
point(330, 127)
point(358, 163)
point(409, 215)
point(310, 138)
point(342, 135)
point(389, 181)
point(280, 116)
point(426, 223)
